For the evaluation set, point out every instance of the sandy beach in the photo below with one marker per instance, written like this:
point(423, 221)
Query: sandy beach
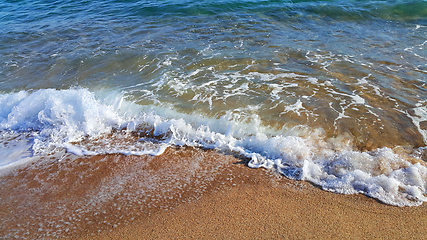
point(184, 194)
point(192, 119)
point(268, 207)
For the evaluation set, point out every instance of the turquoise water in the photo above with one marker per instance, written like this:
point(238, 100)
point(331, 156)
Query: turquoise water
point(331, 92)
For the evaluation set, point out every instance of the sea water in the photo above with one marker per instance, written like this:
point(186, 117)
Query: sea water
point(332, 92)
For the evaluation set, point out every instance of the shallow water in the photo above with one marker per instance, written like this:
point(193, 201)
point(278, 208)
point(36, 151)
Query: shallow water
point(332, 92)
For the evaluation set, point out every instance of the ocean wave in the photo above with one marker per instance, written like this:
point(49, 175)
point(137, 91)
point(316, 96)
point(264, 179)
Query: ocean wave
point(87, 123)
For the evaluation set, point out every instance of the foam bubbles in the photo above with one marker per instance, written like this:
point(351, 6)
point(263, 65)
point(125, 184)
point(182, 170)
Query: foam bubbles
point(385, 174)
point(420, 112)
point(85, 123)
point(58, 117)
point(15, 150)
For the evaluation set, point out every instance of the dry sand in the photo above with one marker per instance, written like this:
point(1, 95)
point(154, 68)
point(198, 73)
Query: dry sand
point(187, 193)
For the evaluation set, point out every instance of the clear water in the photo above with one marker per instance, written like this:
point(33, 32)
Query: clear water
point(332, 92)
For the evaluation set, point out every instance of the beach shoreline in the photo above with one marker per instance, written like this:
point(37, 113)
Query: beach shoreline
point(263, 208)
point(188, 193)
point(195, 119)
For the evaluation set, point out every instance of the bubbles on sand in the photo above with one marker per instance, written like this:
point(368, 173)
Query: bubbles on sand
point(45, 121)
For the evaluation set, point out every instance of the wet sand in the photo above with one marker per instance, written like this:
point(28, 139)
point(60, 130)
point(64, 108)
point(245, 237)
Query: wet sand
point(263, 208)
point(187, 193)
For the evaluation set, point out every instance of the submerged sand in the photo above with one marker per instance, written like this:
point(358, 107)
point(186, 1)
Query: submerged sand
point(187, 193)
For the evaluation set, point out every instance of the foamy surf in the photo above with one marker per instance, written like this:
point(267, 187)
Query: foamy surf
point(46, 121)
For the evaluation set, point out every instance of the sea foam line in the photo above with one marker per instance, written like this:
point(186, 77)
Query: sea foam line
point(74, 119)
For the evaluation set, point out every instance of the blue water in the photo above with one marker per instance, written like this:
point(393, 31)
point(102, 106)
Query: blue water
point(38, 36)
point(332, 92)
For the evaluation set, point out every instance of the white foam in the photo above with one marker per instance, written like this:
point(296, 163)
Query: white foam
point(58, 117)
point(294, 108)
point(15, 150)
point(420, 112)
point(89, 124)
point(332, 163)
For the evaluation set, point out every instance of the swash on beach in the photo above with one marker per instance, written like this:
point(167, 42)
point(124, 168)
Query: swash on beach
point(331, 92)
